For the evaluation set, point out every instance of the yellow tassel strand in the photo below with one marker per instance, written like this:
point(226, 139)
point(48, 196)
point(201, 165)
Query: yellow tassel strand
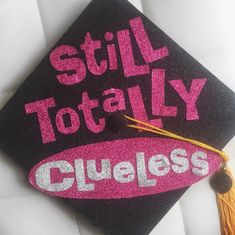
point(226, 201)
point(226, 205)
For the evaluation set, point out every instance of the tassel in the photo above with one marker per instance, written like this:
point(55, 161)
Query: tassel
point(222, 181)
point(226, 206)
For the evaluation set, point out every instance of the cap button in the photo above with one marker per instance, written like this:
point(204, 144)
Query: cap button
point(221, 182)
point(117, 122)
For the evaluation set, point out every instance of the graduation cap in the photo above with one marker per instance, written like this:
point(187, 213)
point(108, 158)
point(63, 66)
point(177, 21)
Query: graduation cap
point(85, 124)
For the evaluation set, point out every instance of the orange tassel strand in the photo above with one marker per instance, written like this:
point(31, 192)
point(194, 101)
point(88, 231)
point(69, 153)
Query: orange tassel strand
point(226, 205)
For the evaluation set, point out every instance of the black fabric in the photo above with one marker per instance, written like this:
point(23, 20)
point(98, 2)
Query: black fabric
point(20, 136)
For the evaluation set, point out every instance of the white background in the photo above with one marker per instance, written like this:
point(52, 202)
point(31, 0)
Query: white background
point(28, 28)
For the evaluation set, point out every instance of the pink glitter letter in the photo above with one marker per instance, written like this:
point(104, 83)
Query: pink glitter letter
point(68, 64)
point(86, 106)
point(158, 95)
point(149, 54)
point(113, 64)
point(138, 108)
point(190, 98)
point(115, 102)
point(129, 67)
point(89, 48)
point(74, 120)
point(41, 108)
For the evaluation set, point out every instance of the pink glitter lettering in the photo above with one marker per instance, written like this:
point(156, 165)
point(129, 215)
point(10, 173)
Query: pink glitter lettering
point(149, 54)
point(129, 67)
point(190, 98)
point(115, 102)
point(68, 64)
point(74, 120)
point(86, 106)
point(138, 106)
point(158, 95)
point(41, 107)
point(89, 48)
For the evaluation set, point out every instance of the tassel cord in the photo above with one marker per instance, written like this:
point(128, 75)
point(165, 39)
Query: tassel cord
point(153, 129)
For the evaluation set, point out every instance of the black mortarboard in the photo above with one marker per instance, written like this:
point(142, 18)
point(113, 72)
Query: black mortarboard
point(113, 59)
